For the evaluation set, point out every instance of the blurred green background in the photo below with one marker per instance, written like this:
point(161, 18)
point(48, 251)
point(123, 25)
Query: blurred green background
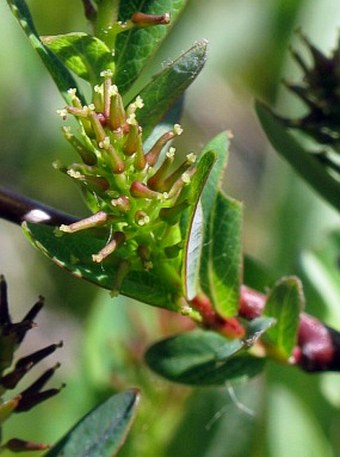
point(284, 221)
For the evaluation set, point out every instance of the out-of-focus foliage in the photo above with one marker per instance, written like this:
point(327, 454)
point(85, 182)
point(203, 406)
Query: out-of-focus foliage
point(248, 55)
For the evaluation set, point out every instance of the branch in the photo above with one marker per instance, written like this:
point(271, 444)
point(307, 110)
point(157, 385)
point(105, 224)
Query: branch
point(17, 209)
point(318, 346)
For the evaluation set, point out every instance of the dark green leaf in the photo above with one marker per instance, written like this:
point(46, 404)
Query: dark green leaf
point(299, 158)
point(102, 432)
point(74, 253)
point(193, 233)
point(168, 85)
point(285, 302)
point(202, 358)
point(135, 47)
point(84, 54)
point(62, 77)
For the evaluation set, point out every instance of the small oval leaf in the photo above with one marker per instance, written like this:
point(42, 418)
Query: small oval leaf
point(202, 358)
point(284, 303)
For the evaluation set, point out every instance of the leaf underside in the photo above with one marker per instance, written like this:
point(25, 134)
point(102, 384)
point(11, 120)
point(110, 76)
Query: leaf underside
point(168, 85)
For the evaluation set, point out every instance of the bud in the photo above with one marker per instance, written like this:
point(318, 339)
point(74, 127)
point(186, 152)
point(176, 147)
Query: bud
point(167, 184)
point(144, 254)
point(142, 218)
point(107, 75)
point(97, 183)
point(122, 203)
point(121, 272)
point(116, 162)
point(118, 239)
point(156, 182)
point(153, 155)
point(97, 126)
point(140, 190)
point(87, 156)
point(130, 146)
point(139, 161)
point(173, 214)
point(117, 112)
point(147, 20)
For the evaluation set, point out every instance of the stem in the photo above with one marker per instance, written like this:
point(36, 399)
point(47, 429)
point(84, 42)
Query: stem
point(318, 346)
point(106, 20)
point(17, 209)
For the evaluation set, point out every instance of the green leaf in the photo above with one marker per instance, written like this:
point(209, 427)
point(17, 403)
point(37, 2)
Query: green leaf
point(221, 261)
point(221, 266)
point(220, 145)
point(165, 88)
point(193, 232)
point(135, 47)
point(285, 302)
point(102, 432)
point(84, 54)
point(202, 358)
point(62, 77)
point(74, 253)
point(299, 158)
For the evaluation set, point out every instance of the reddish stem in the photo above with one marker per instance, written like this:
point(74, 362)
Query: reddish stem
point(318, 346)
point(230, 327)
